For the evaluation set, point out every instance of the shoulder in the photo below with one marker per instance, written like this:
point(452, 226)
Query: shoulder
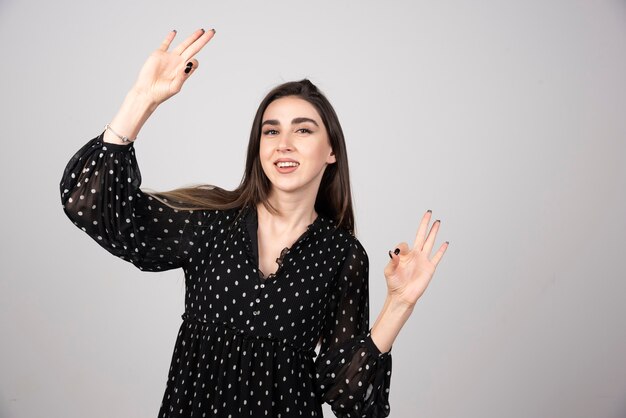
point(353, 264)
point(214, 218)
point(357, 250)
point(350, 245)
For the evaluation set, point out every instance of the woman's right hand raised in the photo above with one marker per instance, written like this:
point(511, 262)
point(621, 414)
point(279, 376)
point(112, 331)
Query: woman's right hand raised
point(163, 73)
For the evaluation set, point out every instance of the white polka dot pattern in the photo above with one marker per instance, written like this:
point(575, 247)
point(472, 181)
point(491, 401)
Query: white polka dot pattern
point(246, 346)
point(353, 376)
point(100, 194)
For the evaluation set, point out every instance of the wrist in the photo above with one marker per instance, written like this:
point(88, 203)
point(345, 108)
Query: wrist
point(141, 100)
point(396, 303)
point(129, 120)
point(390, 321)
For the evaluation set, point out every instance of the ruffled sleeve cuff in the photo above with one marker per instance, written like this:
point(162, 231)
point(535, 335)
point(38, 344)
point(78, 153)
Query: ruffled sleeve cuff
point(355, 379)
point(372, 347)
point(116, 147)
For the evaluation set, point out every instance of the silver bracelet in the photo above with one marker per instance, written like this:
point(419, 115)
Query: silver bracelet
point(123, 138)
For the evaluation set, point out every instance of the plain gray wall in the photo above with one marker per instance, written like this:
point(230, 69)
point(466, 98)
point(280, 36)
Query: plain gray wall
point(506, 118)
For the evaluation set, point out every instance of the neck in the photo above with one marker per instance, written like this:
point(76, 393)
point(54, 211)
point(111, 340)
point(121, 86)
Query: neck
point(294, 213)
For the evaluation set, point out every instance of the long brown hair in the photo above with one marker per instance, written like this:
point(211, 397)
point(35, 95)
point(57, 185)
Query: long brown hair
point(334, 197)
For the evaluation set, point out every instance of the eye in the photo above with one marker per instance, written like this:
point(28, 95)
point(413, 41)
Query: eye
point(268, 131)
point(308, 131)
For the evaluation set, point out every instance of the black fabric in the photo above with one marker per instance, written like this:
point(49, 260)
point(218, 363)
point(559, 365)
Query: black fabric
point(246, 346)
point(251, 220)
point(251, 225)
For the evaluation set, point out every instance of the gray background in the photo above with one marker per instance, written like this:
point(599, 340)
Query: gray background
point(506, 118)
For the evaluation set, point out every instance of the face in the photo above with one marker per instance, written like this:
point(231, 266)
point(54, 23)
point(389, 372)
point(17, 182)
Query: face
point(293, 130)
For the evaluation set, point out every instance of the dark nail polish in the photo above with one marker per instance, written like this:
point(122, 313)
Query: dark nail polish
point(213, 31)
point(396, 251)
point(390, 256)
point(429, 211)
point(447, 242)
point(190, 64)
point(437, 220)
point(187, 70)
point(174, 30)
point(202, 30)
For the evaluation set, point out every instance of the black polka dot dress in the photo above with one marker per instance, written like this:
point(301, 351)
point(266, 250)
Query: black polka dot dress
point(247, 343)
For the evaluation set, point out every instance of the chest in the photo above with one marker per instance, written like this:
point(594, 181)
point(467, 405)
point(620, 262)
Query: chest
point(271, 248)
point(223, 283)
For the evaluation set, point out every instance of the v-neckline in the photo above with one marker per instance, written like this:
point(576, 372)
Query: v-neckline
point(251, 226)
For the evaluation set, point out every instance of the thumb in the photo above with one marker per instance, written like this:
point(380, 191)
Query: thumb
point(190, 66)
point(400, 249)
point(183, 74)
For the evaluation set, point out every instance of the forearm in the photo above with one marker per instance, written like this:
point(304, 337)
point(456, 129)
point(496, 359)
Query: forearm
point(134, 112)
point(389, 323)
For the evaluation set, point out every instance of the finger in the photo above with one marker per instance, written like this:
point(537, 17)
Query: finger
point(190, 66)
point(188, 41)
point(430, 239)
point(168, 40)
point(442, 250)
point(421, 231)
point(185, 71)
point(401, 249)
point(197, 45)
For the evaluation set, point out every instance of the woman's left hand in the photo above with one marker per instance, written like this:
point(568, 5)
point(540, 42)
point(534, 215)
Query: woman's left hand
point(409, 272)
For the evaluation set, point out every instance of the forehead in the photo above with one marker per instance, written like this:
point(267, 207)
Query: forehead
point(287, 108)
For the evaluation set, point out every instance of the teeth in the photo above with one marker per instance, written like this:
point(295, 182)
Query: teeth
point(287, 164)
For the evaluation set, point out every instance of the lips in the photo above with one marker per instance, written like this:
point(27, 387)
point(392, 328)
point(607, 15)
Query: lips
point(286, 166)
point(286, 162)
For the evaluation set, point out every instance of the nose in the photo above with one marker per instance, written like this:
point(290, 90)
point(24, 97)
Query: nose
point(285, 142)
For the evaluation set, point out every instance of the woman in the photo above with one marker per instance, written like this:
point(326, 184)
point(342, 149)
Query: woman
point(272, 268)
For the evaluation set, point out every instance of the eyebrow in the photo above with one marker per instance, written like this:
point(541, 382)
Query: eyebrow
point(293, 122)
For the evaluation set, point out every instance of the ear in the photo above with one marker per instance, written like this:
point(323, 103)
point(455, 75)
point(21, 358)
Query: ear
point(331, 158)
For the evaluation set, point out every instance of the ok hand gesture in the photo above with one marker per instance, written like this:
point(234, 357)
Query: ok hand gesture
point(409, 272)
point(164, 72)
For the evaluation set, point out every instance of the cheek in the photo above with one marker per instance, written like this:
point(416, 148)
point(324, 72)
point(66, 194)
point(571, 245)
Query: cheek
point(264, 154)
point(322, 154)
point(264, 161)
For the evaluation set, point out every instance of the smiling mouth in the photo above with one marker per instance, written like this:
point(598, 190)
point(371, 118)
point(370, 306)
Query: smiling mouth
point(286, 164)
point(284, 167)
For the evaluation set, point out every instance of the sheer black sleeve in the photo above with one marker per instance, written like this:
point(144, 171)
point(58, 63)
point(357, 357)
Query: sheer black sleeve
point(100, 194)
point(353, 376)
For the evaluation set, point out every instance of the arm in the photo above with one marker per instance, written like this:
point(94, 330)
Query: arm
point(100, 185)
point(135, 111)
point(389, 323)
point(353, 375)
point(100, 194)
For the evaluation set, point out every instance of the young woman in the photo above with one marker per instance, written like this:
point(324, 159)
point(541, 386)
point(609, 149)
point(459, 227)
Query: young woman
point(272, 268)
